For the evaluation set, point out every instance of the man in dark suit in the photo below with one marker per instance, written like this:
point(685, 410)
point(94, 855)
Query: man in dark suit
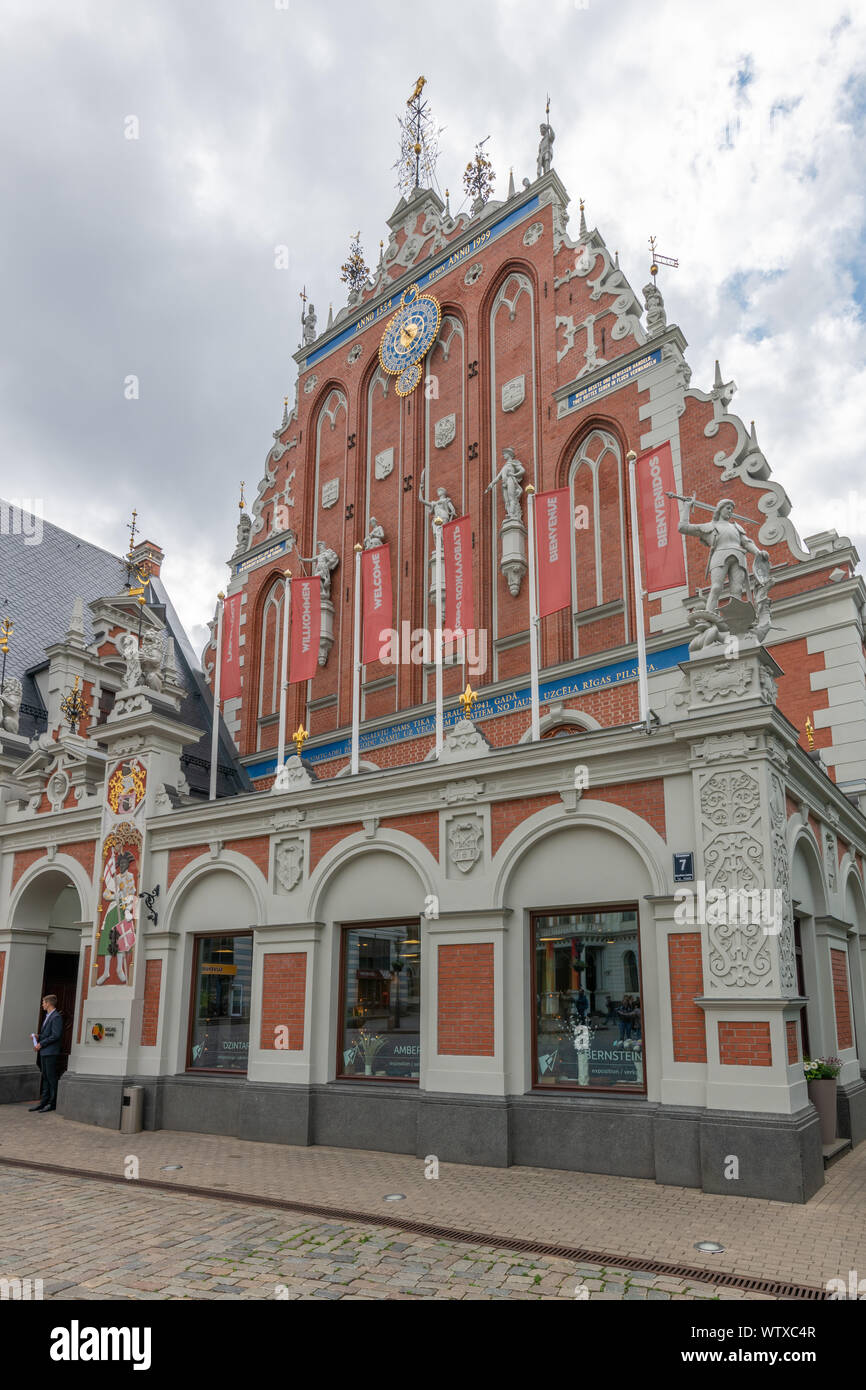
point(48, 1046)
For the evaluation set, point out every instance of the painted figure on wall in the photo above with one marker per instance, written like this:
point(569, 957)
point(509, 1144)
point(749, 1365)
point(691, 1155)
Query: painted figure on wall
point(119, 905)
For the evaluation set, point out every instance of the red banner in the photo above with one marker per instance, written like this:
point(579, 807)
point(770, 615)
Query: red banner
point(376, 600)
point(306, 618)
point(459, 613)
point(553, 544)
point(659, 518)
point(230, 666)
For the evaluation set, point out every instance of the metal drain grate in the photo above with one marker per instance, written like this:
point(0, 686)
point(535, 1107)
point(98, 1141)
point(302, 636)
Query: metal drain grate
point(578, 1254)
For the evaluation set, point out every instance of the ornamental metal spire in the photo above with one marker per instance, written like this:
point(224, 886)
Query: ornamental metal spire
point(419, 142)
point(354, 270)
point(479, 176)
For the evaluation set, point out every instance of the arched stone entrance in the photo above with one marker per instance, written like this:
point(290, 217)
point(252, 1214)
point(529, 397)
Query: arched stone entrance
point(40, 949)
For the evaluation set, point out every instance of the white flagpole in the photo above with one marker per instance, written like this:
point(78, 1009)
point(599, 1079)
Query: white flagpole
point(437, 532)
point(533, 616)
point(215, 732)
point(284, 672)
point(642, 682)
point(356, 666)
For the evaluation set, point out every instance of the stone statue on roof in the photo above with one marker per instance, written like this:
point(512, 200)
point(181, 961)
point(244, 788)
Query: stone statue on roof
point(309, 324)
point(545, 149)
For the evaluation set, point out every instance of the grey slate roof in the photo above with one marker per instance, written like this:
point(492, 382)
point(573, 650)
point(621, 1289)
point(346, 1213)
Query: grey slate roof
point(38, 585)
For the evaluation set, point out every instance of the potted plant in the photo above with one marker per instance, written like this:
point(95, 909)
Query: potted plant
point(369, 1044)
point(821, 1073)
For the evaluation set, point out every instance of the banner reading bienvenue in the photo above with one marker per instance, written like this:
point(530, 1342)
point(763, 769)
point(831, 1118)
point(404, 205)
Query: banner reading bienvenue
point(553, 544)
point(659, 517)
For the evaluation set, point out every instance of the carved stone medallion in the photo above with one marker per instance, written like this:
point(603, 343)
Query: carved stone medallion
point(330, 492)
point(445, 430)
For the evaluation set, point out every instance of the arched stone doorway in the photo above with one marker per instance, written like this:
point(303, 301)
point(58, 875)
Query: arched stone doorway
point(41, 947)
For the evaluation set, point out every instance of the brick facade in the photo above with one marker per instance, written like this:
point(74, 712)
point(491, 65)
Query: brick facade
point(841, 998)
point(465, 1002)
point(745, 1045)
point(284, 986)
point(25, 859)
point(178, 859)
point(150, 1008)
point(793, 1041)
point(685, 970)
point(324, 838)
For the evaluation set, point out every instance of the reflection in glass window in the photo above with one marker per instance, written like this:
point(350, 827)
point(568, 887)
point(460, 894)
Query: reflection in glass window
point(220, 1032)
point(380, 1026)
point(589, 1023)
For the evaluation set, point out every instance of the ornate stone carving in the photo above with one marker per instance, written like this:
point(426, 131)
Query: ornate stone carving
point(292, 776)
point(473, 273)
point(465, 836)
point(128, 646)
point(354, 353)
point(10, 702)
point(310, 384)
point(468, 790)
point(723, 682)
point(383, 464)
point(513, 393)
point(721, 747)
point(330, 492)
point(308, 321)
point(463, 741)
point(730, 797)
point(533, 233)
point(782, 883)
point(510, 477)
point(444, 431)
point(324, 562)
point(288, 864)
point(656, 318)
point(57, 789)
point(830, 853)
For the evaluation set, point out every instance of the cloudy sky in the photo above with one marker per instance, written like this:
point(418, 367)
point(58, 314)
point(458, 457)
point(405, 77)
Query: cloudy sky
point(735, 133)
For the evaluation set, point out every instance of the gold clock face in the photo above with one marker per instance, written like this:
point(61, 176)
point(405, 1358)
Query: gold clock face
point(408, 338)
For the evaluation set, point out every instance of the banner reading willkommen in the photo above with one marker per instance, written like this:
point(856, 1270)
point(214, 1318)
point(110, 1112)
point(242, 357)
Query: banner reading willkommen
point(306, 614)
point(376, 599)
point(659, 518)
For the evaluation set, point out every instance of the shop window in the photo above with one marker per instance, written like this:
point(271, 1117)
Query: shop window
point(219, 1037)
point(587, 1000)
point(380, 1012)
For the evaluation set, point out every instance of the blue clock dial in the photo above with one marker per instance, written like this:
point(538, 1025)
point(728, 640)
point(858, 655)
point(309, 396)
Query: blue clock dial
point(408, 338)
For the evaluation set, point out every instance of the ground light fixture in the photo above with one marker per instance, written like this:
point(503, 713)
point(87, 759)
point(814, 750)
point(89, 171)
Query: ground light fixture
point(171, 1167)
point(394, 1197)
point(709, 1247)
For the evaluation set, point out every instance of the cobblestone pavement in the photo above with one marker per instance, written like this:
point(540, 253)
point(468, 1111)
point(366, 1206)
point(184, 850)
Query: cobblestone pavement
point(807, 1244)
point(95, 1240)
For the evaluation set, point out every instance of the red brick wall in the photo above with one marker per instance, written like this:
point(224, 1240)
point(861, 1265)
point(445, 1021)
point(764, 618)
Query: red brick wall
point(505, 816)
point(645, 799)
point(841, 998)
point(256, 848)
point(425, 827)
point(686, 982)
point(324, 838)
point(24, 859)
point(82, 850)
point(179, 858)
point(284, 984)
point(85, 987)
point(797, 699)
point(745, 1045)
point(465, 1004)
point(793, 1042)
point(150, 1012)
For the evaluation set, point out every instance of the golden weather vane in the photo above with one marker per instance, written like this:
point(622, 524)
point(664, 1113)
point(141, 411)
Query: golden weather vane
point(131, 528)
point(242, 502)
point(72, 706)
point(658, 259)
point(7, 627)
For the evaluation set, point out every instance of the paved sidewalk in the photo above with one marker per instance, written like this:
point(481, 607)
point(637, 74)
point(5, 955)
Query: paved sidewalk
point(624, 1217)
point(98, 1241)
